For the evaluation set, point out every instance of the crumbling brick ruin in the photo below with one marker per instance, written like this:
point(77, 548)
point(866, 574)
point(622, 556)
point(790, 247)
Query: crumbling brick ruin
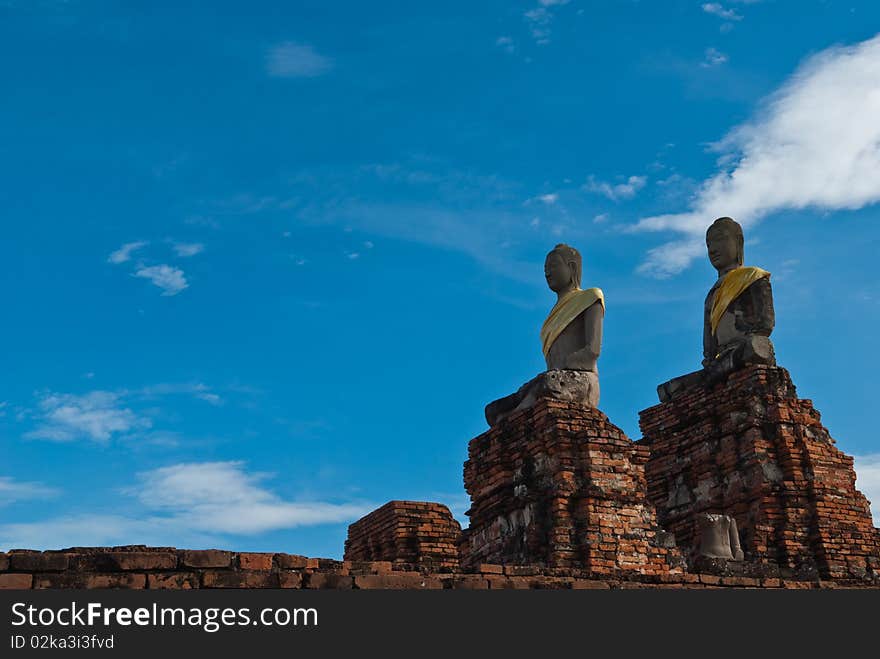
point(750, 448)
point(402, 532)
point(559, 485)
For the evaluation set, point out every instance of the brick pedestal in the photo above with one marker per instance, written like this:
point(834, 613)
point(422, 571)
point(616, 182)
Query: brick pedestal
point(751, 449)
point(413, 532)
point(559, 485)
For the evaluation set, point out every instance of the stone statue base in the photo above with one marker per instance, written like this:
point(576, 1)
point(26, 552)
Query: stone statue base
point(754, 349)
point(559, 485)
point(749, 448)
point(580, 387)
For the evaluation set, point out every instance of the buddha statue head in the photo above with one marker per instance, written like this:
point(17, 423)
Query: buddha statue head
point(562, 269)
point(724, 241)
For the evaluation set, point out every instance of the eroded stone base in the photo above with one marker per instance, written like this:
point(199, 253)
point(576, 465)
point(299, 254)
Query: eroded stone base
point(581, 387)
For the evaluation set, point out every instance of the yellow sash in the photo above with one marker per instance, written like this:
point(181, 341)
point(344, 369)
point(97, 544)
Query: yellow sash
point(731, 287)
point(565, 311)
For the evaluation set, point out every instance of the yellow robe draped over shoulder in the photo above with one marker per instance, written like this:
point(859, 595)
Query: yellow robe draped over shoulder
point(566, 310)
point(731, 287)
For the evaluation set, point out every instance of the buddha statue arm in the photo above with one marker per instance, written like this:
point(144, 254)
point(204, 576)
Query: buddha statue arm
point(760, 317)
point(710, 343)
point(585, 359)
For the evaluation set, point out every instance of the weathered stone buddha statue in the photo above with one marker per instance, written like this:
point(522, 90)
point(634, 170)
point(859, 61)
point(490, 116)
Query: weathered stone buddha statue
point(571, 338)
point(738, 314)
point(719, 537)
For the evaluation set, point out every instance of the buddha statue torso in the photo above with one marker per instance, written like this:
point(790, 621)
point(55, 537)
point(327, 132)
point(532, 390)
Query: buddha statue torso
point(578, 346)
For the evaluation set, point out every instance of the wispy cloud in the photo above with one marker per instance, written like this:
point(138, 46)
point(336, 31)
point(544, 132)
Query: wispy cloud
point(814, 143)
point(717, 9)
point(170, 279)
point(195, 389)
point(222, 497)
point(868, 481)
point(12, 491)
point(188, 504)
point(124, 253)
point(506, 44)
point(539, 20)
point(713, 57)
point(615, 191)
point(188, 249)
point(98, 416)
point(296, 60)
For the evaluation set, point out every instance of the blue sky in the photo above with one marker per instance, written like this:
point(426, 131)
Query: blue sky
point(264, 265)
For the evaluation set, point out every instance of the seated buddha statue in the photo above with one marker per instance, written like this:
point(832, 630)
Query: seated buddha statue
point(738, 314)
point(571, 339)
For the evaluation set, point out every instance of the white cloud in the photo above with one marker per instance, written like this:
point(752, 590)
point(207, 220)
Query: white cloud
point(717, 9)
point(352, 255)
point(97, 416)
point(12, 490)
point(170, 279)
point(296, 60)
point(601, 218)
point(540, 18)
point(815, 143)
point(714, 57)
point(196, 389)
point(192, 504)
point(506, 44)
point(221, 497)
point(188, 249)
point(124, 253)
point(616, 191)
point(868, 481)
point(549, 199)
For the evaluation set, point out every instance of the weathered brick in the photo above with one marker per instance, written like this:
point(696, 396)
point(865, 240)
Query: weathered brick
point(589, 584)
point(290, 580)
point(4, 562)
point(126, 561)
point(396, 582)
point(236, 579)
point(291, 561)
point(205, 558)
point(254, 561)
point(470, 582)
point(324, 581)
point(172, 581)
point(88, 580)
point(38, 561)
point(11, 581)
point(119, 580)
point(490, 568)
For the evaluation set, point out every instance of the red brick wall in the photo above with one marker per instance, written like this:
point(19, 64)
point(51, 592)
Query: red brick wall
point(157, 568)
point(416, 532)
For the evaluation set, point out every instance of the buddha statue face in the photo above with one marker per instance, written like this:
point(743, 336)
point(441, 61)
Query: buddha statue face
point(562, 268)
point(724, 241)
